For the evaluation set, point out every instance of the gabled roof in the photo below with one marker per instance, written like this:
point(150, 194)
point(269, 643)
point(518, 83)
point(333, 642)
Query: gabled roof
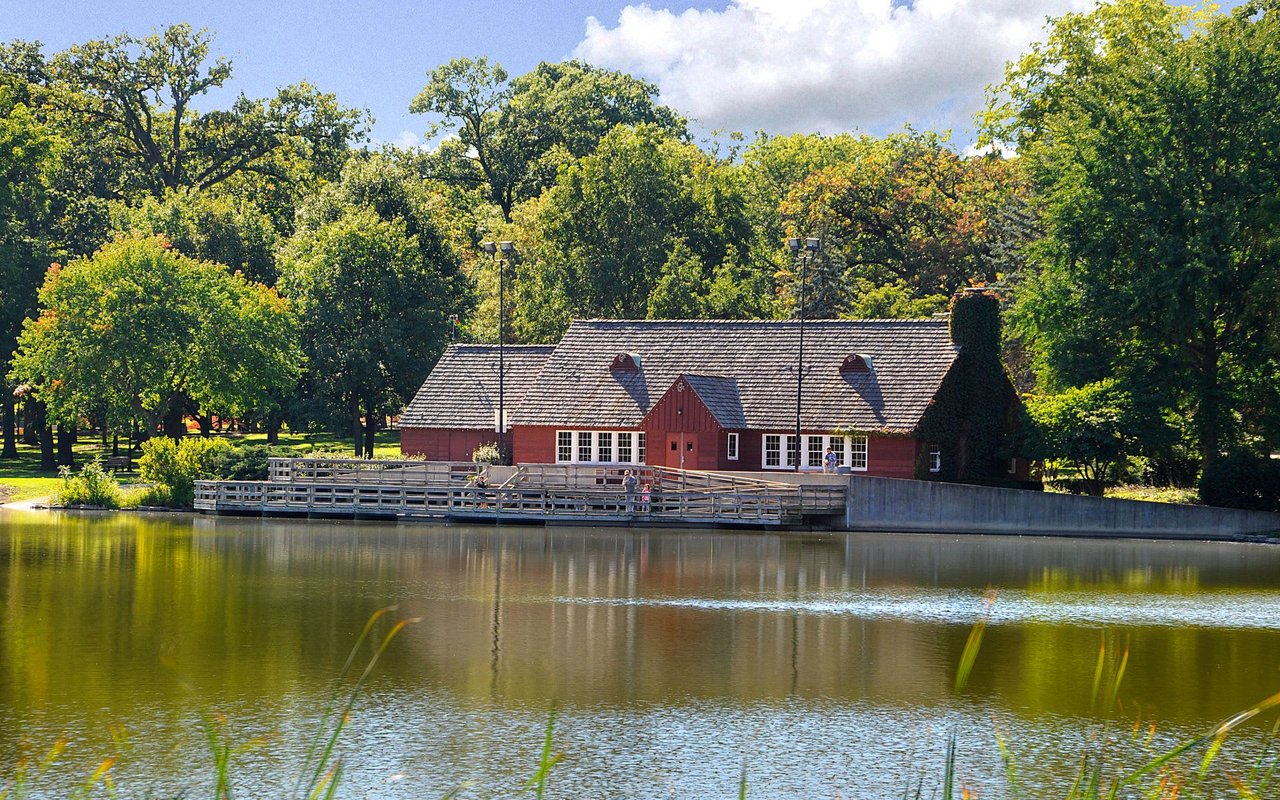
point(909, 357)
point(720, 396)
point(462, 390)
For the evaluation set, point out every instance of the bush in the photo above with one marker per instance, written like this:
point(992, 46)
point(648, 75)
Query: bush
point(94, 486)
point(1242, 480)
point(486, 454)
point(151, 496)
point(247, 462)
point(177, 466)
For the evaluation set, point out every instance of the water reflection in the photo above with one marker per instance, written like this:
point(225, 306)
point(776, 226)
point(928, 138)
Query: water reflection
point(108, 619)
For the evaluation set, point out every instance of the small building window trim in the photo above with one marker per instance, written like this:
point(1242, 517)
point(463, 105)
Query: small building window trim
point(599, 447)
point(733, 447)
point(935, 458)
point(851, 451)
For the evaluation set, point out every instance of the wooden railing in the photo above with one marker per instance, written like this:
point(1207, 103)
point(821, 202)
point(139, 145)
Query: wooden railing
point(363, 470)
point(565, 491)
point(440, 501)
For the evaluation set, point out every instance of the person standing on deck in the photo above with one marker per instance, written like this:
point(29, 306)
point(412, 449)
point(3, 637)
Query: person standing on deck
point(829, 461)
point(629, 486)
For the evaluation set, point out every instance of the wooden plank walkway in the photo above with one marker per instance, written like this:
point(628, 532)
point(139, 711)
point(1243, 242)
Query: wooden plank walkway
point(534, 493)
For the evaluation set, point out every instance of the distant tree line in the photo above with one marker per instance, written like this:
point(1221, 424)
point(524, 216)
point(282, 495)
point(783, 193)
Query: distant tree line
point(264, 262)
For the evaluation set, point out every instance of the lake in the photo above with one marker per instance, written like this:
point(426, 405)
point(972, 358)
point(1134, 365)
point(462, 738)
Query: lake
point(823, 663)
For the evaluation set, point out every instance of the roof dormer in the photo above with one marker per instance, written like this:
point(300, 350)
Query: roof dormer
point(625, 362)
point(856, 364)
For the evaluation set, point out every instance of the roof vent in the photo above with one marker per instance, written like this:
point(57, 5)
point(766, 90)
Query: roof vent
point(625, 362)
point(856, 364)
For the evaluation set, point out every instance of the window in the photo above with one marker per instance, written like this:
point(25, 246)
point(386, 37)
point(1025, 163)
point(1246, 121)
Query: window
point(837, 447)
point(599, 447)
point(772, 450)
point(733, 447)
point(935, 458)
point(793, 450)
point(814, 450)
point(858, 453)
point(1013, 466)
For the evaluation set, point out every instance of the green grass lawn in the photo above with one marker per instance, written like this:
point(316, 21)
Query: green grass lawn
point(21, 478)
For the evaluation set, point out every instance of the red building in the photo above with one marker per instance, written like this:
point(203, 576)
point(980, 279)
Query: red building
point(716, 395)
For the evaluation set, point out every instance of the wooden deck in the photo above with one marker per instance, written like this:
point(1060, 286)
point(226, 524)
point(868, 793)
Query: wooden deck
point(533, 493)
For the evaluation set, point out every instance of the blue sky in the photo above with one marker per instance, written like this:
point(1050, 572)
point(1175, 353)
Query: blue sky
point(776, 65)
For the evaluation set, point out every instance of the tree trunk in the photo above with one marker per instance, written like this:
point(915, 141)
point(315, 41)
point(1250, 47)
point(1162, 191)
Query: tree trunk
point(273, 428)
point(30, 423)
point(66, 438)
point(1208, 424)
point(371, 420)
point(173, 425)
point(10, 434)
point(356, 427)
point(39, 421)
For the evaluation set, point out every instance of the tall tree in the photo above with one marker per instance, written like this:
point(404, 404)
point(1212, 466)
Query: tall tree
point(906, 211)
point(375, 280)
point(137, 327)
point(513, 135)
point(1149, 131)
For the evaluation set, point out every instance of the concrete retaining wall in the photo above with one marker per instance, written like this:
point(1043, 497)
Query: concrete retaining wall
point(892, 504)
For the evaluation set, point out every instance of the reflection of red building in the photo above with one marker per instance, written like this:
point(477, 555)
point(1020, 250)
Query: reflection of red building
point(704, 395)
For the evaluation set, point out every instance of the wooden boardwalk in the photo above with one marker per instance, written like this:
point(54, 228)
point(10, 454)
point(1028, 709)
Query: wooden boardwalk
point(533, 493)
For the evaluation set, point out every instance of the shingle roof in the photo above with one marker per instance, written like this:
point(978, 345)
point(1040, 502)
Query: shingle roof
point(721, 397)
point(910, 359)
point(462, 390)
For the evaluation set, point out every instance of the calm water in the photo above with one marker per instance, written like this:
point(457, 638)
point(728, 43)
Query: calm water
point(826, 663)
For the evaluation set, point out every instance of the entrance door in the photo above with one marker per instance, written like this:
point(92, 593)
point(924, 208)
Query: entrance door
point(680, 451)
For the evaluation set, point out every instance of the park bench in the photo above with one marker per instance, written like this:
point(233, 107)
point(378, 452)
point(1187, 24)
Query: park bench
point(122, 463)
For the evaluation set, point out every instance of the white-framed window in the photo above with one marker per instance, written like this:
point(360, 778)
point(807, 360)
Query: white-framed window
point(935, 458)
point(772, 451)
point(733, 447)
point(850, 451)
point(1013, 466)
point(814, 448)
point(599, 447)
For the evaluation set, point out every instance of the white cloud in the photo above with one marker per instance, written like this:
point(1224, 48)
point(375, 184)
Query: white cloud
point(407, 140)
point(824, 65)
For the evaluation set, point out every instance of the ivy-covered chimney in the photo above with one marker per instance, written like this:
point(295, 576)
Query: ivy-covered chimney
point(975, 322)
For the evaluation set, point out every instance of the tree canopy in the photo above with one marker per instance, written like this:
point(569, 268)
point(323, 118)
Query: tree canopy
point(134, 329)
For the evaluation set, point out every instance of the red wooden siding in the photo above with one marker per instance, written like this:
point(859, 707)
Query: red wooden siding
point(681, 421)
point(891, 456)
point(444, 444)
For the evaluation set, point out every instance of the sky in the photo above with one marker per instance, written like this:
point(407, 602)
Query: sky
point(781, 66)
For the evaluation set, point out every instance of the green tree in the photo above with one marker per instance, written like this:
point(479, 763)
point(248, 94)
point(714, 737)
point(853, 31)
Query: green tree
point(681, 290)
point(1094, 428)
point(513, 135)
point(137, 328)
point(207, 227)
point(373, 309)
point(1148, 131)
point(907, 210)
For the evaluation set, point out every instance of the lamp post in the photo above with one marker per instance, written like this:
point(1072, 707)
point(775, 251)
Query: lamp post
point(503, 253)
point(803, 250)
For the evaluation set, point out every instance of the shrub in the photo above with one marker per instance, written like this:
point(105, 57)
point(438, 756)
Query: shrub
point(152, 496)
point(486, 454)
point(94, 486)
point(247, 462)
point(1242, 480)
point(176, 466)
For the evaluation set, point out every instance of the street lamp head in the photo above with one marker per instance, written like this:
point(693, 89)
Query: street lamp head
point(794, 244)
point(813, 245)
point(508, 248)
point(489, 247)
